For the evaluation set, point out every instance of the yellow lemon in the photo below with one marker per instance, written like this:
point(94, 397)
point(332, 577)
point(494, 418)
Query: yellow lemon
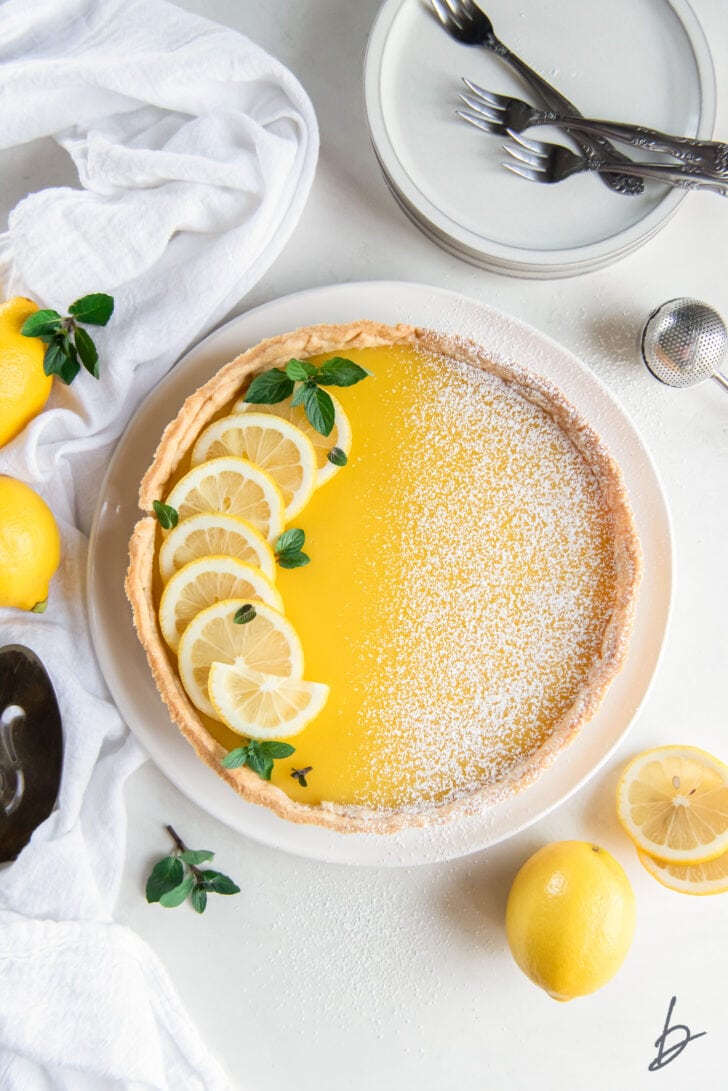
point(570, 918)
point(263, 706)
point(710, 877)
point(24, 386)
point(30, 546)
point(673, 803)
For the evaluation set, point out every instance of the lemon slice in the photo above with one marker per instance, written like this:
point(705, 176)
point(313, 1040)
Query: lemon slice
point(274, 444)
point(205, 581)
point(231, 486)
point(708, 878)
point(209, 534)
point(268, 643)
point(673, 803)
point(263, 706)
point(340, 435)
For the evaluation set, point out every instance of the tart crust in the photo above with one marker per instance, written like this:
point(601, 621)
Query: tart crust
point(178, 437)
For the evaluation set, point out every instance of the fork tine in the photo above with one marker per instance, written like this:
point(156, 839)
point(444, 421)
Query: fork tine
point(480, 123)
point(523, 155)
point(443, 12)
point(485, 96)
point(490, 113)
point(525, 172)
point(536, 146)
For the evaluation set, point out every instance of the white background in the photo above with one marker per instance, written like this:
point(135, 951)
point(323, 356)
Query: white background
point(321, 977)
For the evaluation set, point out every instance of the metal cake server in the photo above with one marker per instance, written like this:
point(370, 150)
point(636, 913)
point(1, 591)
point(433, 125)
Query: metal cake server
point(31, 747)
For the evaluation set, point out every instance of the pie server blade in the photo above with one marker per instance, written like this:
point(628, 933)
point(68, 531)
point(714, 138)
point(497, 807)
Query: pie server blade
point(31, 747)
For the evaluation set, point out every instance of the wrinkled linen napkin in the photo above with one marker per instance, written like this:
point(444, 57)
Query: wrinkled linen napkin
point(195, 152)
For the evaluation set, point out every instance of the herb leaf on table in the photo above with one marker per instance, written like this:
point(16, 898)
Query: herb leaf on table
point(69, 345)
point(177, 877)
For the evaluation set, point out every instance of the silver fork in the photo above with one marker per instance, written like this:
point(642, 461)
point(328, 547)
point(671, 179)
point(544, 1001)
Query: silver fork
point(498, 113)
point(468, 24)
point(538, 161)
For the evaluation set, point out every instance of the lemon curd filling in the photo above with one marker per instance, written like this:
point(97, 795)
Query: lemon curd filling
point(461, 580)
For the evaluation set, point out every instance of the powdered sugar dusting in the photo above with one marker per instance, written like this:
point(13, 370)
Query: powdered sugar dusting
point(496, 591)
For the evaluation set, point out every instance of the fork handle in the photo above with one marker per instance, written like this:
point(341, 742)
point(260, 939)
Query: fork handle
point(624, 182)
point(660, 172)
point(708, 155)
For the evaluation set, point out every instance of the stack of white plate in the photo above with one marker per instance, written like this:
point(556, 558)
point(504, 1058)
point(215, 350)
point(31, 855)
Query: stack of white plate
point(645, 61)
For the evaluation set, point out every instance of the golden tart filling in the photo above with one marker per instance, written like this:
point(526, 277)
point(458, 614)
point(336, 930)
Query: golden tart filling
point(472, 577)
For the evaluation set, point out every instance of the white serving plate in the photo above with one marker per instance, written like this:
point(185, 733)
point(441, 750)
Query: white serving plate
point(645, 61)
point(123, 661)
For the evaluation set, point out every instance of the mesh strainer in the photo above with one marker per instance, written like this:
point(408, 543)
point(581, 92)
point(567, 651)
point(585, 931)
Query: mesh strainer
point(684, 342)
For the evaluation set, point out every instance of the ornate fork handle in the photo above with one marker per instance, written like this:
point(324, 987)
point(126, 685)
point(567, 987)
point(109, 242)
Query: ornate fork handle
point(659, 172)
point(554, 100)
point(706, 155)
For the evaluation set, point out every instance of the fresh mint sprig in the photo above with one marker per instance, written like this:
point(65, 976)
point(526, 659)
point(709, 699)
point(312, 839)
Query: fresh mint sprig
point(245, 614)
point(258, 756)
point(278, 384)
point(69, 345)
point(288, 549)
point(337, 457)
point(177, 877)
point(167, 516)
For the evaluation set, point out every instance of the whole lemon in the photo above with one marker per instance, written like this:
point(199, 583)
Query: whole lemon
point(570, 918)
point(30, 546)
point(24, 386)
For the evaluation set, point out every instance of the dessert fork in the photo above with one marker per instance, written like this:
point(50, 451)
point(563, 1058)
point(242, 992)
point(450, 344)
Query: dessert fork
point(468, 24)
point(498, 113)
point(538, 161)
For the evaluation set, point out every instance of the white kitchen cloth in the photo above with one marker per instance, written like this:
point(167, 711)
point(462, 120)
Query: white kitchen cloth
point(195, 152)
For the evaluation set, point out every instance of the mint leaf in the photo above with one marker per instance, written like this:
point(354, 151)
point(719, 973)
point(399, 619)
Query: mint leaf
point(341, 372)
point(175, 897)
point(269, 388)
point(218, 883)
point(319, 409)
point(41, 323)
point(165, 876)
point(293, 560)
point(300, 396)
point(61, 359)
point(94, 310)
point(277, 749)
point(259, 762)
point(244, 614)
point(87, 353)
point(196, 856)
point(235, 758)
point(292, 540)
point(337, 456)
point(167, 516)
point(300, 369)
point(198, 897)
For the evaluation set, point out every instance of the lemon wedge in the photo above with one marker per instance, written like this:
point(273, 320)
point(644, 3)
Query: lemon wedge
point(274, 444)
point(209, 534)
point(708, 878)
point(673, 804)
point(340, 435)
point(263, 706)
point(232, 486)
point(205, 581)
point(268, 643)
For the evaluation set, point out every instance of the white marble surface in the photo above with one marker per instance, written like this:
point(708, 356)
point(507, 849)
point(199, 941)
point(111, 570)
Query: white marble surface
point(323, 977)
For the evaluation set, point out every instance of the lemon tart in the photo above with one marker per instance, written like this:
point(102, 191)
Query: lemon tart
point(473, 575)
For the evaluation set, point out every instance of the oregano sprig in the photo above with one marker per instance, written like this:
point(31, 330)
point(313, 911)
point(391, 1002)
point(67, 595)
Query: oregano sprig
point(177, 877)
point(68, 344)
point(258, 756)
point(280, 383)
point(288, 549)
